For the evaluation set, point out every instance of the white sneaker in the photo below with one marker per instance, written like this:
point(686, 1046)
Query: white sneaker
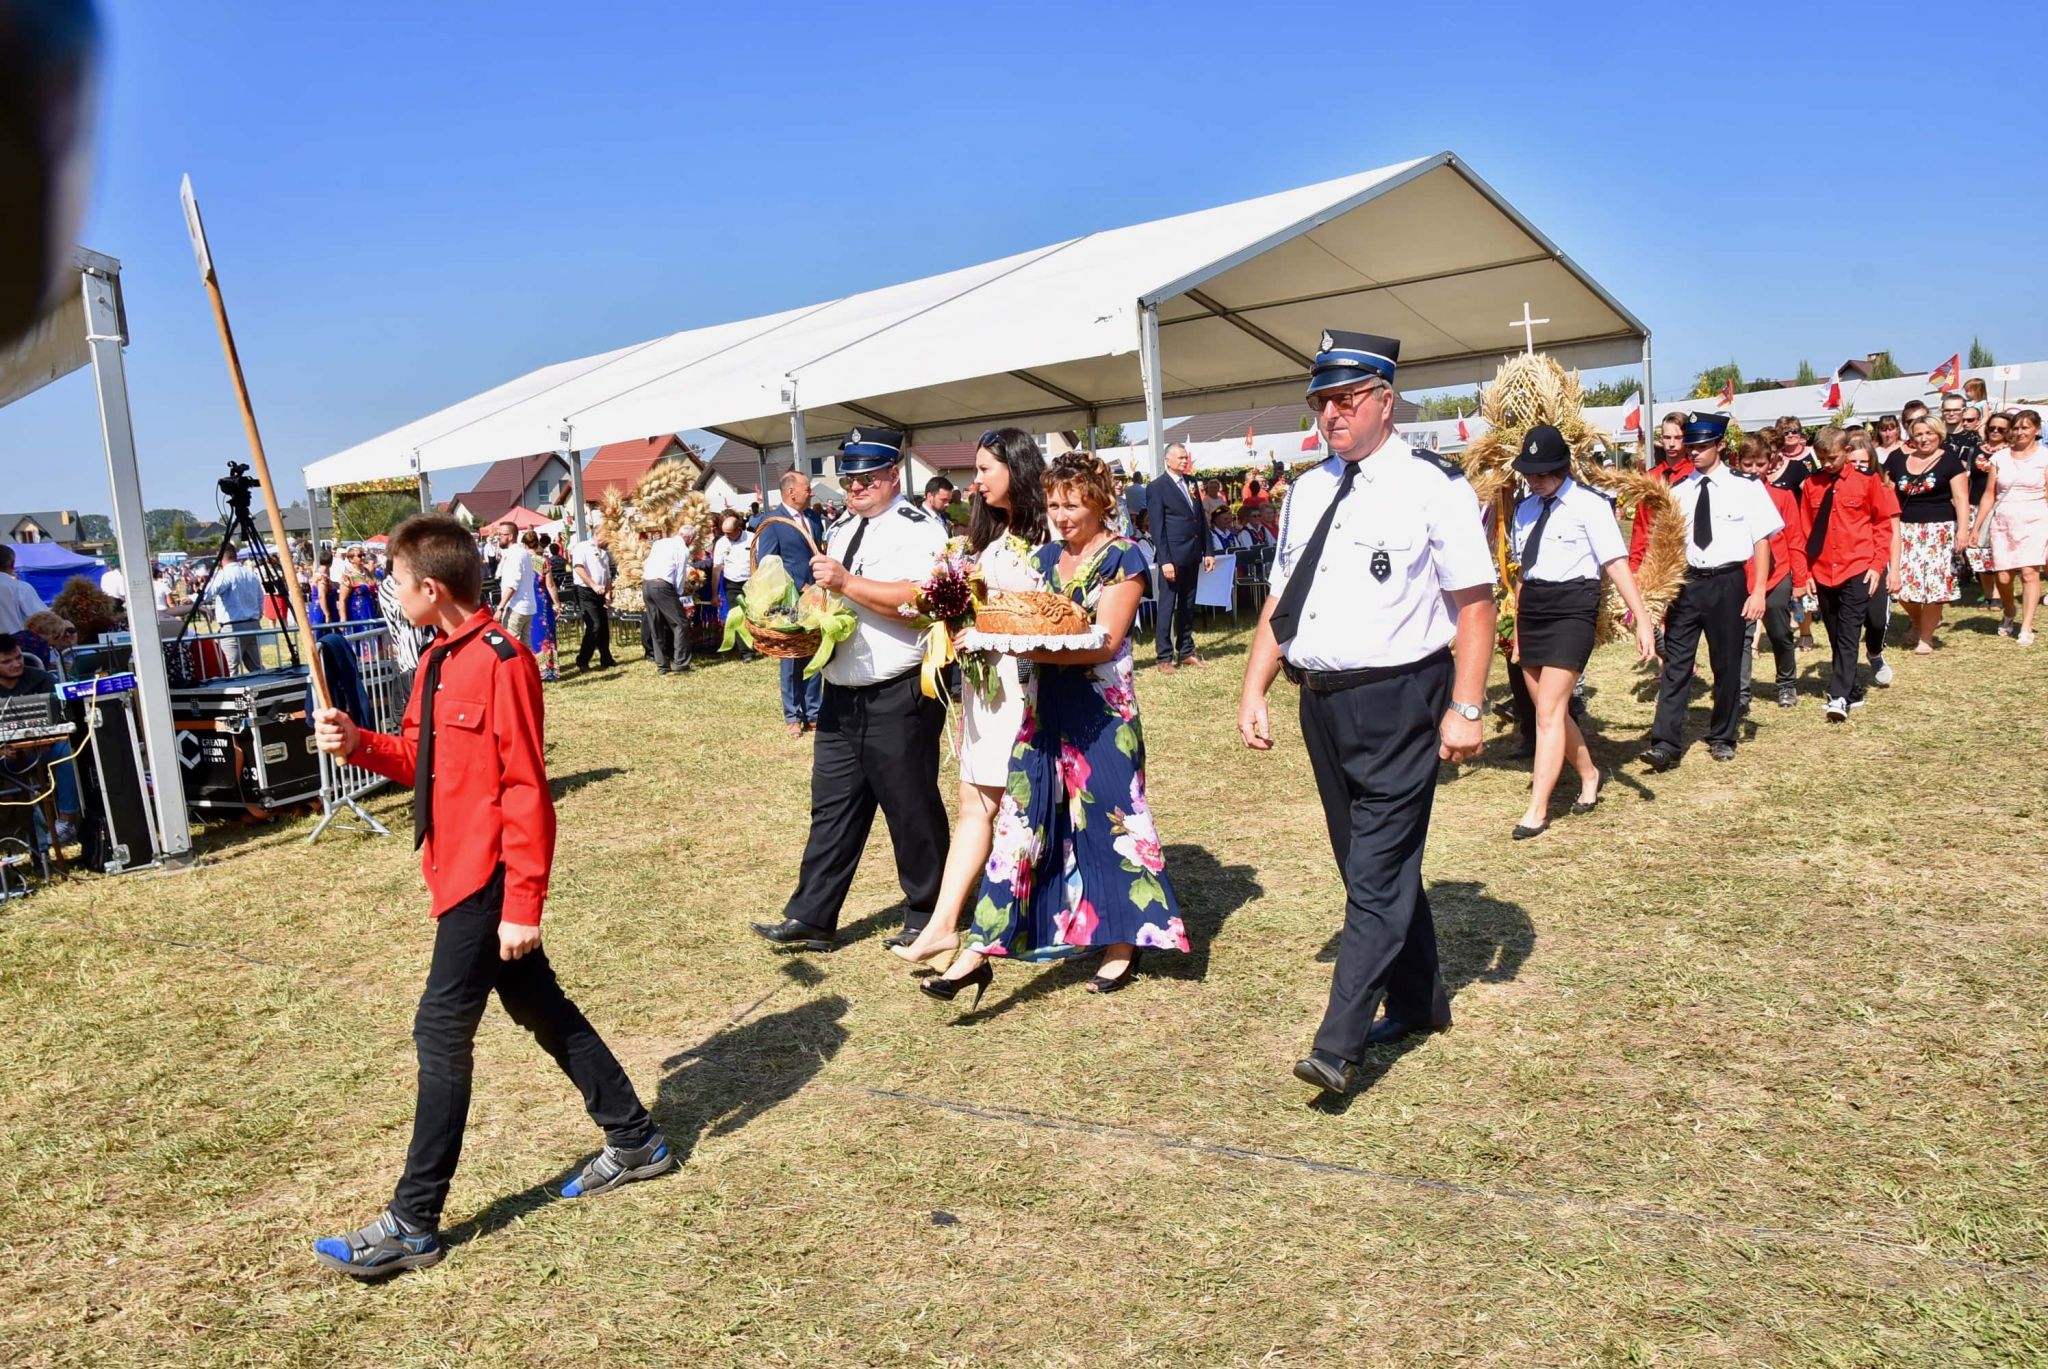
point(2025, 639)
point(1881, 673)
point(1838, 710)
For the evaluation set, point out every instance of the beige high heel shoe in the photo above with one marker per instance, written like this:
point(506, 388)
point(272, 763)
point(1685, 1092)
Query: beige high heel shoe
point(948, 948)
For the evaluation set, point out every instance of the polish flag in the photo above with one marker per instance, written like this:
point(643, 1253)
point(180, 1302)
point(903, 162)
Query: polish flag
point(1632, 413)
point(1727, 395)
point(1247, 437)
point(1464, 433)
point(1949, 375)
point(1312, 440)
point(1831, 395)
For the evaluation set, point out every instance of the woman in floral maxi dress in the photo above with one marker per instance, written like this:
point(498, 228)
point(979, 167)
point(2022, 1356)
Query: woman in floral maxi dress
point(1076, 862)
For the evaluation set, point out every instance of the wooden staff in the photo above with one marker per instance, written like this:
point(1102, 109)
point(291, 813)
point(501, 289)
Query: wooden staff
point(277, 533)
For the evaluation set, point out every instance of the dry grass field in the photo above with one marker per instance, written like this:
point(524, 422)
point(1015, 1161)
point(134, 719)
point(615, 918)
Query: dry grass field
point(1749, 1068)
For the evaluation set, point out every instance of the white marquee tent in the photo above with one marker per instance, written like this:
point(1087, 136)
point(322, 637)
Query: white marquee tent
point(1216, 309)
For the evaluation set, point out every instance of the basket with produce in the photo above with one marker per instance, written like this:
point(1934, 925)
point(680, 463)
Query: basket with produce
point(775, 619)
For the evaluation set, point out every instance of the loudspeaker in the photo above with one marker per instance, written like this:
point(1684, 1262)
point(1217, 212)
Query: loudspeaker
point(118, 827)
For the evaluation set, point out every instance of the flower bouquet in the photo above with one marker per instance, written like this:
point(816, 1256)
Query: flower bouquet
point(775, 619)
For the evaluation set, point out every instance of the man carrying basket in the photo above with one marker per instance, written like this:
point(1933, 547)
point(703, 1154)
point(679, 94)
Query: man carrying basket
point(878, 736)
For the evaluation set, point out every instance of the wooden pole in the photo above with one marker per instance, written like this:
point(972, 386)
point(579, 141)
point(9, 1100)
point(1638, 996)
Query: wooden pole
point(307, 644)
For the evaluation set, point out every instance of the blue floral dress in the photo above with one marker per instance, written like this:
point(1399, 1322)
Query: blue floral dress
point(1076, 860)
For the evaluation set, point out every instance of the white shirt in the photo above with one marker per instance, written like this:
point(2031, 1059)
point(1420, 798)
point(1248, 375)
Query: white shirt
point(114, 584)
point(515, 581)
point(902, 542)
point(163, 594)
point(588, 558)
point(1742, 514)
point(733, 557)
point(668, 559)
point(18, 602)
point(1579, 539)
point(1405, 505)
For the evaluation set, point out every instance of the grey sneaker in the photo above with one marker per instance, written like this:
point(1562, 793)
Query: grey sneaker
point(1881, 673)
point(381, 1249)
point(1788, 697)
point(1838, 710)
point(614, 1167)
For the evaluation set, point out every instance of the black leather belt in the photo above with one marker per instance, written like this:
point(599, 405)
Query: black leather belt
point(1330, 681)
point(1696, 573)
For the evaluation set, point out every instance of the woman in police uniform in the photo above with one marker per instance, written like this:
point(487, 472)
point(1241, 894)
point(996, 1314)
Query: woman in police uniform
point(1565, 536)
point(1370, 589)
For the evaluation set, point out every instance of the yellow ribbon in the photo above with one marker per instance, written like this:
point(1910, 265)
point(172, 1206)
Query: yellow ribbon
point(938, 654)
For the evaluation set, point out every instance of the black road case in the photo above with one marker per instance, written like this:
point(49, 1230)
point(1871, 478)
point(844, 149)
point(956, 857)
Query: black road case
point(246, 741)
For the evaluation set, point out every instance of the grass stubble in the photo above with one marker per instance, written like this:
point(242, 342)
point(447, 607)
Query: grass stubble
point(1748, 1068)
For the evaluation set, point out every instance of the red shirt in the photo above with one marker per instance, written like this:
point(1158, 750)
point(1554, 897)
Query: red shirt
point(1671, 472)
point(491, 798)
point(1859, 524)
point(1788, 553)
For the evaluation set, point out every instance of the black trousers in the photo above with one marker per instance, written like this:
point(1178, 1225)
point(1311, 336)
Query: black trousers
point(1174, 621)
point(667, 626)
point(1708, 605)
point(1845, 608)
point(1877, 620)
point(597, 628)
point(1778, 628)
point(1373, 748)
point(464, 971)
point(877, 746)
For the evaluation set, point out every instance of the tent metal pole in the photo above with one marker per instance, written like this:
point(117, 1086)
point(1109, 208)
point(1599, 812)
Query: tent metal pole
point(761, 472)
point(1649, 422)
point(573, 459)
point(1148, 366)
point(797, 445)
point(426, 493)
point(131, 535)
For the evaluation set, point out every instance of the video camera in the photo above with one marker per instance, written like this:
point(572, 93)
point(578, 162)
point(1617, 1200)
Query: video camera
point(237, 485)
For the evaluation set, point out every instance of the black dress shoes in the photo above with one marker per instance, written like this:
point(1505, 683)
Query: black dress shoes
point(902, 938)
point(1387, 1031)
point(794, 935)
point(1326, 1072)
point(1660, 758)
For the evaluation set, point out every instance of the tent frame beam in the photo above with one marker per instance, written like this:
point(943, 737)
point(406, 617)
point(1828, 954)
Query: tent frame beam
point(873, 417)
point(1251, 330)
point(1353, 291)
point(1040, 383)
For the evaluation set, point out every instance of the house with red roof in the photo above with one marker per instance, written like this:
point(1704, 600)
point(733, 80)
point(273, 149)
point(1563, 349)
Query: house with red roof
point(622, 466)
point(521, 481)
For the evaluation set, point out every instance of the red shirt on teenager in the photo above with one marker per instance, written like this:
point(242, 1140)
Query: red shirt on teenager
point(1788, 553)
point(492, 805)
point(1671, 472)
point(1859, 523)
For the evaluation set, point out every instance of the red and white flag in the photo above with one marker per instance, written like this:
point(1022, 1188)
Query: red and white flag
point(1831, 395)
point(1949, 375)
point(1464, 433)
point(1312, 440)
point(1247, 437)
point(1727, 395)
point(1632, 413)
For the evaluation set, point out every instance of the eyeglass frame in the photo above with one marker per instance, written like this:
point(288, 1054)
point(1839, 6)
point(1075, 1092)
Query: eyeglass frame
point(1347, 398)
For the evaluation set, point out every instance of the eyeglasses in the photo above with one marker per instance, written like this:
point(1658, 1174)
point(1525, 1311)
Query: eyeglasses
point(1999, 428)
point(1347, 401)
point(987, 439)
point(867, 478)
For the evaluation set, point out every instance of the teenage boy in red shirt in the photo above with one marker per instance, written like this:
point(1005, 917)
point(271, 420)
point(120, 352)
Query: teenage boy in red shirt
point(1673, 466)
point(470, 747)
point(1788, 568)
point(1847, 520)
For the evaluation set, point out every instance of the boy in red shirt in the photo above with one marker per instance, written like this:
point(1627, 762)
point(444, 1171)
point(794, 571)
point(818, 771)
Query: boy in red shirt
point(470, 747)
point(1788, 568)
point(1847, 521)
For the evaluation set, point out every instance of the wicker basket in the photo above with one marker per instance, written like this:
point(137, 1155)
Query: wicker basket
point(783, 643)
point(1031, 613)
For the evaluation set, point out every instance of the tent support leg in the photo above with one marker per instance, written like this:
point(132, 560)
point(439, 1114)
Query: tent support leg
point(797, 444)
point(426, 493)
point(117, 432)
point(1148, 364)
point(1649, 422)
point(574, 460)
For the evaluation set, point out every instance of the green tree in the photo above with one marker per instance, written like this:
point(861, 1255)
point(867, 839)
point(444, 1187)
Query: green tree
point(159, 523)
point(180, 533)
point(95, 527)
point(1806, 374)
point(1884, 368)
point(1709, 382)
point(1108, 435)
point(1609, 393)
point(1757, 387)
point(1446, 406)
point(1980, 355)
point(367, 515)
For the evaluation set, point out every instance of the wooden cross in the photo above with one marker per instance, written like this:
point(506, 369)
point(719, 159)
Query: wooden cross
point(1528, 327)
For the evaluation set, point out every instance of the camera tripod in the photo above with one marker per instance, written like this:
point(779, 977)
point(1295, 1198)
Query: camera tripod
point(236, 487)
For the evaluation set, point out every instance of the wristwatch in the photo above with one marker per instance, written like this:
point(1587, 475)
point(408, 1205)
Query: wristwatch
point(1471, 713)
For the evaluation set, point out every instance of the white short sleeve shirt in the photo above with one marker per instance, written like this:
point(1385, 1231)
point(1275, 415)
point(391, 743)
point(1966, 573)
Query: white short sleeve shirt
point(1419, 521)
point(589, 558)
point(902, 543)
point(1581, 536)
point(1740, 511)
point(515, 581)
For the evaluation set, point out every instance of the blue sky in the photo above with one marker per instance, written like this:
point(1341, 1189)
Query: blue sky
point(410, 203)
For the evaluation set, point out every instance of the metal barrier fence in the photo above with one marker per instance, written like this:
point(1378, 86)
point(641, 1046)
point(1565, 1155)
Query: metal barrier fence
point(386, 686)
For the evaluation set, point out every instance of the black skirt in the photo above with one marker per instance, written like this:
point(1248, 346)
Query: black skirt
point(1555, 621)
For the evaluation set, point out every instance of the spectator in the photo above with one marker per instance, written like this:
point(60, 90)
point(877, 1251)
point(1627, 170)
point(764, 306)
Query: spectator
point(236, 593)
point(1757, 460)
point(1977, 534)
point(2017, 505)
point(801, 698)
point(1213, 497)
point(938, 497)
point(516, 583)
point(547, 608)
point(50, 639)
point(18, 598)
point(1933, 486)
point(732, 565)
point(1890, 437)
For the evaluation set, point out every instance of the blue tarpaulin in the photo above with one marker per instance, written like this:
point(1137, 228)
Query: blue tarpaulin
point(47, 566)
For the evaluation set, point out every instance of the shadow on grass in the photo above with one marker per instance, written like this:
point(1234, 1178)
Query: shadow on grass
point(712, 1089)
point(561, 786)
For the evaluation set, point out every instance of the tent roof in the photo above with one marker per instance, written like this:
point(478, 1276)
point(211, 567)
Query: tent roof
point(1424, 251)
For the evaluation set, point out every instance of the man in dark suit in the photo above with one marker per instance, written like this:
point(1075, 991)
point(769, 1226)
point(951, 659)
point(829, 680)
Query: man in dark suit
point(1180, 540)
point(801, 698)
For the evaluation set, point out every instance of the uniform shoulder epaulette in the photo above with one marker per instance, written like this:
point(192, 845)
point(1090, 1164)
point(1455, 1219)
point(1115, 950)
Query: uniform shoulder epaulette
point(501, 644)
point(1450, 468)
point(836, 524)
point(913, 513)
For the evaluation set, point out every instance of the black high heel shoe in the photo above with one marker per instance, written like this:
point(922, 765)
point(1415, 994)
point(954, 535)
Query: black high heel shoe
point(1102, 984)
point(981, 976)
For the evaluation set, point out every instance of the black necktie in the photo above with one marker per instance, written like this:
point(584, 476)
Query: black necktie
point(1535, 542)
point(853, 547)
point(423, 763)
point(1818, 538)
point(1287, 614)
point(1703, 515)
